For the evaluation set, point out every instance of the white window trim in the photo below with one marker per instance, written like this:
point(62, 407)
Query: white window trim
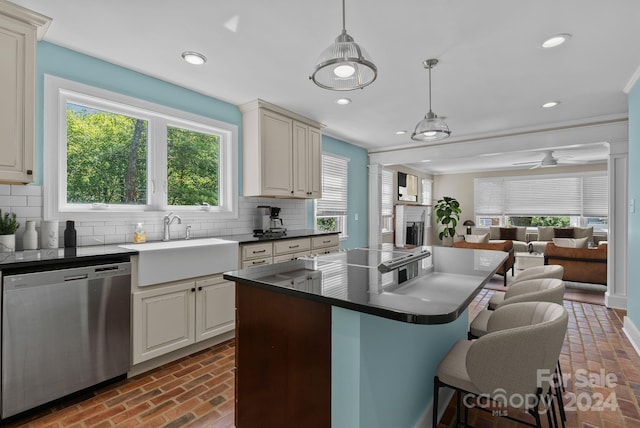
point(56, 93)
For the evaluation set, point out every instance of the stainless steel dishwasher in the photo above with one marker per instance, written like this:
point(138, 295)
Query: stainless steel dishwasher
point(63, 331)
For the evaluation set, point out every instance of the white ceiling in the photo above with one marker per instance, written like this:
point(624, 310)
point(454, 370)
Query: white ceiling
point(492, 77)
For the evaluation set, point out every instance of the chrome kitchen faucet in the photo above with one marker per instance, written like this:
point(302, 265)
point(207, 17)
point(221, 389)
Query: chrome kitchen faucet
point(168, 219)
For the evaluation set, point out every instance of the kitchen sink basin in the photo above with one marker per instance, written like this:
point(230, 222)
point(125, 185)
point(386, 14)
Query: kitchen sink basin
point(160, 262)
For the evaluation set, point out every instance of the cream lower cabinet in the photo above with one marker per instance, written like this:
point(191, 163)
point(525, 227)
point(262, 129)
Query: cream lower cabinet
point(167, 317)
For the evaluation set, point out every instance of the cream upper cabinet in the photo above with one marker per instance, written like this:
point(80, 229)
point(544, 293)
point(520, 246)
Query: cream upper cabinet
point(19, 30)
point(282, 152)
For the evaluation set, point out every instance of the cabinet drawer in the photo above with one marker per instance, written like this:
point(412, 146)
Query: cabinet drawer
point(257, 262)
point(289, 257)
point(324, 241)
point(256, 251)
point(327, 250)
point(291, 246)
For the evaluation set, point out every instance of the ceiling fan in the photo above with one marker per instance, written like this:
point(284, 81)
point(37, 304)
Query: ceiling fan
point(548, 160)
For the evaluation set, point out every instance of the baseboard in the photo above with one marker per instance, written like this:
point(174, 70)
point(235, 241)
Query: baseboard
point(446, 394)
point(615, 301)
point(632, 332)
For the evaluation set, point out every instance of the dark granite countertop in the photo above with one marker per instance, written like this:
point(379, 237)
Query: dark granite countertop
point(62, 257)
point(434, 290)
point(248, 238)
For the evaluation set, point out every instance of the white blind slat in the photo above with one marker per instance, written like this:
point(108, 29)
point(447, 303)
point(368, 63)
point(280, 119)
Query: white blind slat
point(334, 186)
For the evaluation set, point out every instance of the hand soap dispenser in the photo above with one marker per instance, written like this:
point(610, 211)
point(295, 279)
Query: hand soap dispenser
point(140, 235)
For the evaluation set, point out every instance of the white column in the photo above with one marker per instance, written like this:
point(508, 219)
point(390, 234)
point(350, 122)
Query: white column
point(616, 295)
point(375, 205)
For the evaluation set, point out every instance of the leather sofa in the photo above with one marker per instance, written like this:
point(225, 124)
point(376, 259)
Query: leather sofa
point(580, 264)
point(506, 246)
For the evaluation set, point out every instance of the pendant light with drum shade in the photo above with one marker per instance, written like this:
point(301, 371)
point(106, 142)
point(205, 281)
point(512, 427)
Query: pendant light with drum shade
point(431, 128)
point(344, 66)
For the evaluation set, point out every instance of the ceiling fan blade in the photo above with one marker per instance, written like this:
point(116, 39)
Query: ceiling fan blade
point(539, 165)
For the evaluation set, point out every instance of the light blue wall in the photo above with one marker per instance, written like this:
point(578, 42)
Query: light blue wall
point(357, 192)
point(633, 286)
point(72, 65)
point(68, 64)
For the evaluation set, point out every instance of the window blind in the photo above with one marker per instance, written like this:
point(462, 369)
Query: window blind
point(488, 195)
point(585, 196)
point(543, 197)
point(334, 186)
point(427, 190)
point(595, 196)
point(387, 192)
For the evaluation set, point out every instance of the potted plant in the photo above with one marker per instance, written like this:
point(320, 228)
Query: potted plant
point(447, 214)
point(8, 227)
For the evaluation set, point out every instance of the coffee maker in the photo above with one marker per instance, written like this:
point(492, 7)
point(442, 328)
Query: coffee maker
point(262, 222)
point(276, 225)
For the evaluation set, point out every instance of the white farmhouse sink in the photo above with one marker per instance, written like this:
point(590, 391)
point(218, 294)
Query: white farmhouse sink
point(160, 262)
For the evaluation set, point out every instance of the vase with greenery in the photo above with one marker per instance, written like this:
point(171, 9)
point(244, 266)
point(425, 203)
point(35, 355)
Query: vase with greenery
point(448, 213)
point(8, 227)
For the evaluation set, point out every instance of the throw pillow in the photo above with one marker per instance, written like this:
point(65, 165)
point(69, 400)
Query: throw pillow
point(521, 234)
point(545, 233)
point(583, 232)
point(478, 239)
point(508, 233)
point(563, 232)
point(494, 232)
point(570, 242)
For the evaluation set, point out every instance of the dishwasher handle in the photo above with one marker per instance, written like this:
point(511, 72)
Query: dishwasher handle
point(76, 277)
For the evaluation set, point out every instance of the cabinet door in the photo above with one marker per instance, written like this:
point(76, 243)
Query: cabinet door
point(215, 307)
point(276, 137)
point(163, 320)
point(300, 159)
point(17, 111)
point(314, 164)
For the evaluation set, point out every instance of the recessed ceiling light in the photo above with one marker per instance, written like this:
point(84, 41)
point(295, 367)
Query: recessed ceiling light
point(401, 132)
point(426, 160)
point(550, 104)
point(556, 40)
point(343, 101)
point(194, 58)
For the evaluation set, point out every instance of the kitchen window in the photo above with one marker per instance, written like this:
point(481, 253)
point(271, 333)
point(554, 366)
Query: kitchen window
point(106, 152)
point(331, 209)
point(386, 199)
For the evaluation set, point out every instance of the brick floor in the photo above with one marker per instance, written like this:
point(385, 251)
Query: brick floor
point(198, 391)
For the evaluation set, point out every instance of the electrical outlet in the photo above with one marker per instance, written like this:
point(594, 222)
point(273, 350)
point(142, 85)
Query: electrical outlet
point(356, 216)
point(632, 206)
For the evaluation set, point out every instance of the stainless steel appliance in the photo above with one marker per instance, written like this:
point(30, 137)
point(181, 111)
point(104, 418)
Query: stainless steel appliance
point(63, 331)
point(262, 220)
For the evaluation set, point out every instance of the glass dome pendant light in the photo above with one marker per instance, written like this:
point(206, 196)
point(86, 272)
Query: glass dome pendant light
point(344, 66)
point(431, 128)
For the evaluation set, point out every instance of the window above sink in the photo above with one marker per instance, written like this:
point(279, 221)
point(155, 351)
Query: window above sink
point(109, 156)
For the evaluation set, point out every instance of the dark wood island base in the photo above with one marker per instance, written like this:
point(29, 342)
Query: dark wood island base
point(283, 360)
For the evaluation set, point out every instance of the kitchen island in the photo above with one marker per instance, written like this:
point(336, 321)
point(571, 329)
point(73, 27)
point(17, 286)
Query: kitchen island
point(336, 341)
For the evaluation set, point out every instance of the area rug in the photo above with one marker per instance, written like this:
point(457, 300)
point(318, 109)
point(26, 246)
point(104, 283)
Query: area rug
point(575, 291)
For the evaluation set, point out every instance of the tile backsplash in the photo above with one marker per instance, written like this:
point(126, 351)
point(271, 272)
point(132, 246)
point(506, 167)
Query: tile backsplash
point(27, 203)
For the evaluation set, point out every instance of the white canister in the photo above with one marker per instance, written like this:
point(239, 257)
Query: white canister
point(49, 234)
point(30, 236)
